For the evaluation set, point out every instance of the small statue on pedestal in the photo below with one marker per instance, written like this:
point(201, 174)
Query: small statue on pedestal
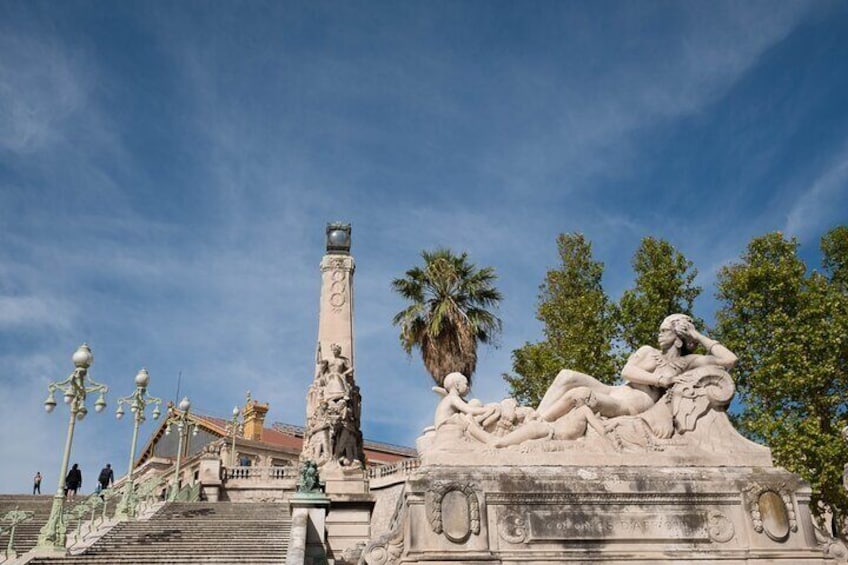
point(307, 482)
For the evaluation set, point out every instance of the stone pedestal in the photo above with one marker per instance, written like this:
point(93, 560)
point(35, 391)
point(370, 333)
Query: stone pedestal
point(210, 477)
point(348, 525)
point(344, 480)
point(609, 514)
point(349, 518)
point(315, 507)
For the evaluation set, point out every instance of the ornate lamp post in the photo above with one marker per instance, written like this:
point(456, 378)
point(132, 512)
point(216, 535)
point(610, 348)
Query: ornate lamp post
point(183, 422)
point(52, 537)
point(137, 401)
point(234, 428)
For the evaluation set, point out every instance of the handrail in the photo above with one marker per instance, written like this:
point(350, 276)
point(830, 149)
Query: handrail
point(15, 518)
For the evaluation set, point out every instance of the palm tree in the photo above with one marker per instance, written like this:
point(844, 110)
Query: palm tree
point(449, 312)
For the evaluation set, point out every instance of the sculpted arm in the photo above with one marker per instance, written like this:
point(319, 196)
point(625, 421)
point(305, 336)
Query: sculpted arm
point(717, 354)
point(466, 408)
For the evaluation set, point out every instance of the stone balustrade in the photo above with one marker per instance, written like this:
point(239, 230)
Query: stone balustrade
point(252, 484)
point(258, 474)
point(386, 475)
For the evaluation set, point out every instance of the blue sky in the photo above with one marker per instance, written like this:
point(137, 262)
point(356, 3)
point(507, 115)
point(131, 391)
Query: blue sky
point(167, 170)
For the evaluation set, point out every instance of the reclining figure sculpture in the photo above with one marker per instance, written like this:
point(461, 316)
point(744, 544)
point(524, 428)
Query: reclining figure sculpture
point(666, 390)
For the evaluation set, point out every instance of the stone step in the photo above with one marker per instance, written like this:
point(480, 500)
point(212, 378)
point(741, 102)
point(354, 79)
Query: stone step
point(194, 533)
point(173, 559)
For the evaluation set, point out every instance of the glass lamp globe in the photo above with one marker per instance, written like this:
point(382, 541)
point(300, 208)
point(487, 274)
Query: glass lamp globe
point(142, 378)
point(338, 238)
point(50, 403)
point(83, 357)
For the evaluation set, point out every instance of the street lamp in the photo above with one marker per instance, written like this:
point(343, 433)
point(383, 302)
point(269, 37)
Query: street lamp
point(137, 401)
point(234, 428)
point(183, 422)
point(52, 537)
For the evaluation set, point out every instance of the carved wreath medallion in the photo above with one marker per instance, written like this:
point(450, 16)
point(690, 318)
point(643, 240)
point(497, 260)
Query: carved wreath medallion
point(772, 510)
point(459, 502)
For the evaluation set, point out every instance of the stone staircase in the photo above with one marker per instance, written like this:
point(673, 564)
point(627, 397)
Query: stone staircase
point(185, 533)
point(26, 534)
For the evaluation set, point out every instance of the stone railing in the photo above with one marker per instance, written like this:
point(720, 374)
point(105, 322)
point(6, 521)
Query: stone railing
point(296, 554)
point(265, 484)
point(258, 474)
point(386, 475)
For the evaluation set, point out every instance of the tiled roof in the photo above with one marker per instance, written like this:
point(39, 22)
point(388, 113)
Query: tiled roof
point(289, 436)
point(298, 431)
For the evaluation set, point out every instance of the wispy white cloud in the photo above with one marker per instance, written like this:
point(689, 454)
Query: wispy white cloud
point(823, 201)
point(641, 81)
point(33, 312)
point(41, 85)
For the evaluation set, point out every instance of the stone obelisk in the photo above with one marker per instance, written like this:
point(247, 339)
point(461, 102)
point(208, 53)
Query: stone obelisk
point(335, 321)
point(333, 439)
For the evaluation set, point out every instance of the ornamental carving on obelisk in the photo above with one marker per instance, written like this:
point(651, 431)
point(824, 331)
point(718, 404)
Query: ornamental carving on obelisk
point(333, 403)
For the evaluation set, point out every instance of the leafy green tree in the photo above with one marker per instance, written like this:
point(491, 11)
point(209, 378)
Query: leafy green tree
point(449, 312)
point(534, 365)
point(790, 331)
point(665, 284)
point(835, 251)
point(578, 324)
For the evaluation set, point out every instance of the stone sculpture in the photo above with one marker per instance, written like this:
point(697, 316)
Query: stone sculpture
point(307, 481)
point(650, 471)
point(648, 372)
point(666, 391)
point(333, 411)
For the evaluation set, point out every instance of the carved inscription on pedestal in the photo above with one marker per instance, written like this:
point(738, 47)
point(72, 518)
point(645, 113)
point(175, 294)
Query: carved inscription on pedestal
point(561, 525)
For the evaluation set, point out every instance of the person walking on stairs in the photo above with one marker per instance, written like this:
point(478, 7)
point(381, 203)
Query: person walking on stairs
point(73, 482)
point(106, 478)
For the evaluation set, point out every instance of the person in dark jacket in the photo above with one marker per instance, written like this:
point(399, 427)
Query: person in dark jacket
point(73, 482)
point(106, 477)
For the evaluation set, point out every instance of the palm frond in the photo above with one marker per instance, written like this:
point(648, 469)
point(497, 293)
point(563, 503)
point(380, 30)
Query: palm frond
point(449, 311)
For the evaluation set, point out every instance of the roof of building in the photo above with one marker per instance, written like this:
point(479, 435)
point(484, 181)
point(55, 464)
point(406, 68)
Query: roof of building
point(286, 438)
